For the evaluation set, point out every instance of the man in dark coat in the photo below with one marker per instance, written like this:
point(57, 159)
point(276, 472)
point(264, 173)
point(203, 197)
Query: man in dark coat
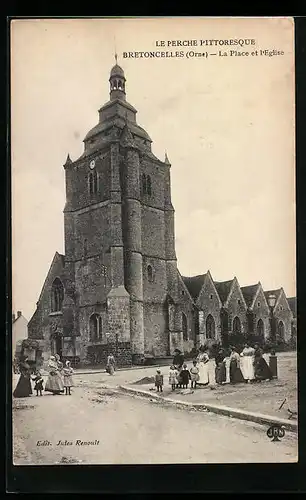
point(261, 368)
point(178, 359)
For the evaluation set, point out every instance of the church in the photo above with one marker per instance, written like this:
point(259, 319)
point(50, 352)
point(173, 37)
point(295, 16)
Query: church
point(117, 289)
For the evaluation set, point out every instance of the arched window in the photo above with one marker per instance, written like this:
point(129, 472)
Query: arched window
point(281, 330)
point(57, 295)
point(150, 273)
point(210, 327)
point(236, 325)
point(93, 182)
point(260, 329)
point(95, 324)
point(149, 186)
point(185, 326)
point(144, 184)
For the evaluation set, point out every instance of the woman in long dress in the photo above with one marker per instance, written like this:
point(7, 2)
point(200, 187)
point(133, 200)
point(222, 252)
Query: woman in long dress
point(202, 364)
point(261, 368)
point(247, 363)
point(23, 388)
point(220, 370)
point(55, 382)
point(235, 371)
point(68, 372)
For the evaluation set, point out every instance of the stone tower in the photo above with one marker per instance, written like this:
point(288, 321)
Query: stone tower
point(117, 286)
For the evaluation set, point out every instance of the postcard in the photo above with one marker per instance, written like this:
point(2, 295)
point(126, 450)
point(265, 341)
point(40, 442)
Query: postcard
point(153, 241)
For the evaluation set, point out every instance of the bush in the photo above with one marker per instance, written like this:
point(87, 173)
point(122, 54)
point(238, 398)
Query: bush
point(279, 345)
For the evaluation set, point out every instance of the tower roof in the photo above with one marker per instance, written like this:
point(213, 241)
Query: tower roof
point(117, 71)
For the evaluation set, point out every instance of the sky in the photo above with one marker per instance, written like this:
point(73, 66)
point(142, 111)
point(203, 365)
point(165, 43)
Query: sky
point(226, 123)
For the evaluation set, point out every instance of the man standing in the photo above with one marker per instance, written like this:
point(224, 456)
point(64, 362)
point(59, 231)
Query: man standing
point(110, 364)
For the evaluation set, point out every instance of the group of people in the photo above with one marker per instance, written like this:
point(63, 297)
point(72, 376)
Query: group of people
point(232, 367)
point(248, 366)
point(59, 378)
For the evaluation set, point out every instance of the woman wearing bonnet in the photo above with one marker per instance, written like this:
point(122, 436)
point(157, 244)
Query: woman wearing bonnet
point(54, 383)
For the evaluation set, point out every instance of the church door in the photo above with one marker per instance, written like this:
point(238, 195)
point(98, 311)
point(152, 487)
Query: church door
point(237, 337)
point(57, 345)
point(260, 331)
point(210, 327)
point(281, 331)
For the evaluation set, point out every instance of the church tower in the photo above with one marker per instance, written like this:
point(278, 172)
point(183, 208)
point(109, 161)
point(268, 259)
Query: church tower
point(116, 288)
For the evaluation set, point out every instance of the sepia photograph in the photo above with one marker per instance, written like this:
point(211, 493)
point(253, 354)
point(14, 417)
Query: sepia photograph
point(153, 241)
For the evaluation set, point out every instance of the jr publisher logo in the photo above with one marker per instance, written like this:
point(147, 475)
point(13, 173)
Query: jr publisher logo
point(276, 432)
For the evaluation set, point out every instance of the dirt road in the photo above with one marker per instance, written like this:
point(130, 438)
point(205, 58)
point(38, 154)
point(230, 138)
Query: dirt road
point(126, 430)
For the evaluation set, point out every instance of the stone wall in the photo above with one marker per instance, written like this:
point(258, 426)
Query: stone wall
point(209, 303)
point(260, 311)
point(282, 312)
point(156, 329)
point(79, 185)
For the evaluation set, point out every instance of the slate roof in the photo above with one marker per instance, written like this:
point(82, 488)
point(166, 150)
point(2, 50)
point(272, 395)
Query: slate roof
point(292, 304)
point(119, 122)
point(194, 284)
point(62, 258)
point(223, 289)
point(248, 293)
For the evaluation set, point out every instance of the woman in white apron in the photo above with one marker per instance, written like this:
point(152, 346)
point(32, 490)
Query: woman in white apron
point(247, 363)
point(202, 364)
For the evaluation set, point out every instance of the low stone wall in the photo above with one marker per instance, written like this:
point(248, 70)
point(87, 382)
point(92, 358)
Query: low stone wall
point(97, 355)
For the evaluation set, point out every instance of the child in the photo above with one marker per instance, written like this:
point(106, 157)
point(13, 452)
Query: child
point(67, 371)
point(159, 381)
point(173, 374)
point(194, 375)
point(185, 377)
point(38, 383)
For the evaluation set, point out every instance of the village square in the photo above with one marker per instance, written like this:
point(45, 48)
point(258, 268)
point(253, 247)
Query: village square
point(124, 359)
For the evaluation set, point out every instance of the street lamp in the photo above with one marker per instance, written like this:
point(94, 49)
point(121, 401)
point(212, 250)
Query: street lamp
point(272, 357)
point(271, 302)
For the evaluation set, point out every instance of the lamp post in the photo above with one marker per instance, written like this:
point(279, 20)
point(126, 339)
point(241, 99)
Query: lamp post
point(272, 357)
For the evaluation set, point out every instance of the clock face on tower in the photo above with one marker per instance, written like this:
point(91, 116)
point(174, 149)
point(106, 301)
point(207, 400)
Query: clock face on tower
point(92, 164)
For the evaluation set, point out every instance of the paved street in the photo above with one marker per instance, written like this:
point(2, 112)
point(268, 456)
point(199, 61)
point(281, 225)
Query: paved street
point(129, 430)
